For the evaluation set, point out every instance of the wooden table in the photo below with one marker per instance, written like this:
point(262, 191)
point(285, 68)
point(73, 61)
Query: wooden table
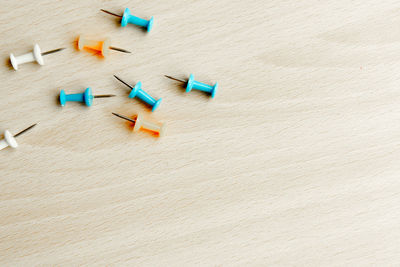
point(294, 163)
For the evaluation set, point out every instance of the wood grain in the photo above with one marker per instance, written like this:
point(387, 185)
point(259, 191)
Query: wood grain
point(294, 163)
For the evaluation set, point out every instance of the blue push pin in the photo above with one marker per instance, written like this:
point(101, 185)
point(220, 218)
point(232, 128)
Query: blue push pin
point(192, 84)
point(85, 97)
point(142, 95)
point(127, 17)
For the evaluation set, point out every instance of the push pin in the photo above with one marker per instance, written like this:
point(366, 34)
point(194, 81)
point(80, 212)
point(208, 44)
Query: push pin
point(9, 139)
point(35, 55)
point(142, 95)
point(127, 17)
point(85, 97)
point(146, 125)
point(192, 84)
point(103, 47)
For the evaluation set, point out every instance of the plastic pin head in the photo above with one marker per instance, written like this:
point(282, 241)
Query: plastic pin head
point(9, 139)
point(35, 55)
point(143, 124)
point(103, 47)
point(127, 17)
point(193, 84)
point(85, 97)
point(137, 91)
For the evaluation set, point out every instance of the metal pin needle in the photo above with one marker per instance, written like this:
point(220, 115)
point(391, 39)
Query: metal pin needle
point(108, 12)
point(119, 79)
point(176, 79)
point(103, 96)
point(123, 117)
point(52, 51)
point(119, 49)
point(27, 129)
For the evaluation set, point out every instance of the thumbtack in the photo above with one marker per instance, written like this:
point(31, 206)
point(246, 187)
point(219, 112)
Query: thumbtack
point(127, 17)
point(85, 97)
point(141, 123)
point(9, 139)
point(103, 47)
point(142, 95)
point(192, 84)
point(35, 55)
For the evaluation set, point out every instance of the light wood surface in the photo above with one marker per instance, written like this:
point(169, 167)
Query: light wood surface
point(294, 163)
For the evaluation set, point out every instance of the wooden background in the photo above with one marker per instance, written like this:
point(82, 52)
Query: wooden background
point(295, 162)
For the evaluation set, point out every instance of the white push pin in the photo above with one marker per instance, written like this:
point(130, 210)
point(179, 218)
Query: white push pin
point(9, 139)
point(35, 55)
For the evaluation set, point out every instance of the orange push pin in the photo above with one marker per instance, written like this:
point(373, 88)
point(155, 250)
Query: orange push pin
point(141, 123)
point(103, 47)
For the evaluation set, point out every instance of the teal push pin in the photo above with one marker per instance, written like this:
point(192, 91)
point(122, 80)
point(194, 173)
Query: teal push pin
point(192, 84)
point(142, 95)
point(85, 97)
point(127, 17)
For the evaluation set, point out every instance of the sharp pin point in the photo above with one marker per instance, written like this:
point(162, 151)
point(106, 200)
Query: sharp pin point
point(176, 79)
point(119, 79)
point(25, 130)
point(103, 96)
point(108, 12)
point(119, 49)
point(53, 51)
point(124, 117)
